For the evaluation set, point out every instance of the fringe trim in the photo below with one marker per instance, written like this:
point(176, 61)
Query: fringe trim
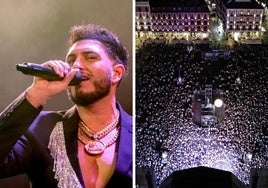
point(64, 172)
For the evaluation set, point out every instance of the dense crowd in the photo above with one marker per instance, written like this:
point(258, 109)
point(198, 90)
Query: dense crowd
point(167, 76)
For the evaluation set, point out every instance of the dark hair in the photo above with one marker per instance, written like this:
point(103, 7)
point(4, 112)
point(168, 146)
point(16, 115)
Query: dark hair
point(114, 47)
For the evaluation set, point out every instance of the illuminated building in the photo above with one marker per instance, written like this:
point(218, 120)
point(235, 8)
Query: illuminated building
point(190, 21)
point(241, 19)
point(179, 16)
point(143, 20)
point(170, 19)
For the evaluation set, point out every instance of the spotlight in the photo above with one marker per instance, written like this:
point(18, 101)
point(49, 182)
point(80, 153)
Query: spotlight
point(164, 157)
point(249, 156)
point(238, 80)
point(218, 103)
point(164, 154)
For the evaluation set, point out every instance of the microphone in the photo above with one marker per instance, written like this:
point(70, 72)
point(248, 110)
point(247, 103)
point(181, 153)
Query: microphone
point(45, 72)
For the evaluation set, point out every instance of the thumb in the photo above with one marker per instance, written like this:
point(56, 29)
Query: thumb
point(70, 77)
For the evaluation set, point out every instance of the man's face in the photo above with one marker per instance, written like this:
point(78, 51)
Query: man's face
point(96, 67)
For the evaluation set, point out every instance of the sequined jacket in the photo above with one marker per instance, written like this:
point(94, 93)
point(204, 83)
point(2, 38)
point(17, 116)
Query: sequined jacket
point(27, 146)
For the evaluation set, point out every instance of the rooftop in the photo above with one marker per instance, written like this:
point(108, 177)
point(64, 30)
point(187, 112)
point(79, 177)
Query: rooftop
point(247, 4)
point(178, 6)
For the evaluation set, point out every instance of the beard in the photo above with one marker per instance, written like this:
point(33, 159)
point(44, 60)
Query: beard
point(102, 89)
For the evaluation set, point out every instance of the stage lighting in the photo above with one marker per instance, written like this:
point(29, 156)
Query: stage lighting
point(218, 103)
point(249, 156)
point(164, 157)
point(164, 154)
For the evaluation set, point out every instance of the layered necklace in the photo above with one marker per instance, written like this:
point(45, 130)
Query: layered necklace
point(92, 141)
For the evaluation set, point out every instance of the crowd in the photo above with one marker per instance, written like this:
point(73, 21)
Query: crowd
point(167, 76)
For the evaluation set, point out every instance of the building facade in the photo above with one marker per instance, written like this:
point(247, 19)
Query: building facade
point(143, 17)
point(190, 21)
point(242, 20)
point(172, 19)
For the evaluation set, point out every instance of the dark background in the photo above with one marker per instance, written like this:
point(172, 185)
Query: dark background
point(37, 31)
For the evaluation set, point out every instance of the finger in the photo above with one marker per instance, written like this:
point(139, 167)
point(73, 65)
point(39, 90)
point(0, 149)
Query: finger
point(54, 66)
point(59, 67)
point(70, 75)
point(61, 70)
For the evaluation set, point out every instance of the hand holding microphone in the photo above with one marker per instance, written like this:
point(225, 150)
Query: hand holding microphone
point(39, 92)
point(45, 72)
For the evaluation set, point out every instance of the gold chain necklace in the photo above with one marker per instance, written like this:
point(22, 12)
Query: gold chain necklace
point(103, 132)
point(93, 145)
point(96, 147)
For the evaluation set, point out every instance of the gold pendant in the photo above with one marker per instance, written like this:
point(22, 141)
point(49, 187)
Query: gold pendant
point(94, 147)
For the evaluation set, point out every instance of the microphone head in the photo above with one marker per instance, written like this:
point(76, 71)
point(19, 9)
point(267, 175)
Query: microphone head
point(77, 79)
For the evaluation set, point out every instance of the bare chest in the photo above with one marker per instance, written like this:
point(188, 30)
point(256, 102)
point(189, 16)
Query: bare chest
point(97, 169)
